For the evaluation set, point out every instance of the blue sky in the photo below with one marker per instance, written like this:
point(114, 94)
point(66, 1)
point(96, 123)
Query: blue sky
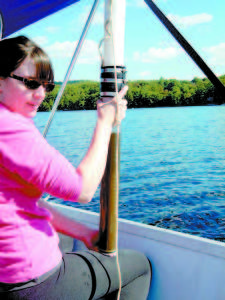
point(150, 50)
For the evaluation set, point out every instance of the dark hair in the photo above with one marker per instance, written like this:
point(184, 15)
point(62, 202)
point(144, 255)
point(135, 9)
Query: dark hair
point(13, 51)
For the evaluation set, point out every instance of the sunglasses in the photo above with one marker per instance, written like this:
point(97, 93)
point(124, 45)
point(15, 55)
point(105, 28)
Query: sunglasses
point(34, 84)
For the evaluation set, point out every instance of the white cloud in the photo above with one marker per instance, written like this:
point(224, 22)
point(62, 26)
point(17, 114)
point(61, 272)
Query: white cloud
point(159, 1)
point(190, 20)
point(137, 3)
point(41, 40)
point(145, 74)
point(153, 55)
point(52, 29)
point(217, 54)
point(141, 3)
point(97, 19)
point(88, 55)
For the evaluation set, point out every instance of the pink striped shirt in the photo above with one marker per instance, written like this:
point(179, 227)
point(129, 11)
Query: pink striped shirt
point(29, 166)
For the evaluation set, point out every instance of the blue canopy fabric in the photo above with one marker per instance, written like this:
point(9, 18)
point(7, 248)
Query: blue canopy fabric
point(17, 14)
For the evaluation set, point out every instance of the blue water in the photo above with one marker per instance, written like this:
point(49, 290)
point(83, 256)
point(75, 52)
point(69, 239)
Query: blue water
point(172, 172)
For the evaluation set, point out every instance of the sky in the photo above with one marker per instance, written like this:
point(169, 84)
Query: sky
point(150, 50)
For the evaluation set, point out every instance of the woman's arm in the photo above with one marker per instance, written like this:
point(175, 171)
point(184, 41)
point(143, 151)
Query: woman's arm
point(64, 223)
point(91, 169)
point(92, 166)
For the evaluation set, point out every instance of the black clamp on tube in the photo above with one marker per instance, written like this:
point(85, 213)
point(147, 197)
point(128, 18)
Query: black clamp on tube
point(110, 76)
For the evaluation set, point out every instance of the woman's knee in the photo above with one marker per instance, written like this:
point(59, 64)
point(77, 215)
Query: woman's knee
point(135, 270)
point(134, 267)
point(137, 260)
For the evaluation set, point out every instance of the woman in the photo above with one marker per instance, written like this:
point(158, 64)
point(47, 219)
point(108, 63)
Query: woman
point(31, 264)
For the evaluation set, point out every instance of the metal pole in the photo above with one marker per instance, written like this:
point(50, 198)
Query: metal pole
point(112, 81)
point(1, 26)
point(187, 47)
point(70, 68)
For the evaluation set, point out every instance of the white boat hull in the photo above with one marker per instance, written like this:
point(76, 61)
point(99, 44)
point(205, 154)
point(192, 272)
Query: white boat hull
point(184, 267)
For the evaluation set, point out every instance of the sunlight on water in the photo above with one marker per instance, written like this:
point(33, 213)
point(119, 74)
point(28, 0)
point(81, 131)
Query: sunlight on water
point(172, 164)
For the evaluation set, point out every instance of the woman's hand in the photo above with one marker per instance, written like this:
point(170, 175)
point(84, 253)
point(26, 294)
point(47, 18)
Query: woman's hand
point(93, 164)
point(90, 239)
point(113, 110)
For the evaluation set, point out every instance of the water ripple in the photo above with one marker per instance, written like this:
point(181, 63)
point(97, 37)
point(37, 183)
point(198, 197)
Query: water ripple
point(172, 172)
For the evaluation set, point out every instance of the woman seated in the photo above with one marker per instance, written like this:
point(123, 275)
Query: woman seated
point(31, 263)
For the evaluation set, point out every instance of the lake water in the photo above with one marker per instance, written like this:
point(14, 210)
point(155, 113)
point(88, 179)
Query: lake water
point(172, 171)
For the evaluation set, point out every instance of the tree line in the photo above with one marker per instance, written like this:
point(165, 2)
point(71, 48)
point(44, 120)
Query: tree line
point(80, 95)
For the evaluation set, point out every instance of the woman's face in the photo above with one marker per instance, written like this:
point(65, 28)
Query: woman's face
point(16, 96)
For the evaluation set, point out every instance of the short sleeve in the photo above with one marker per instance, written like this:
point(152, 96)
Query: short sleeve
point(24, 151)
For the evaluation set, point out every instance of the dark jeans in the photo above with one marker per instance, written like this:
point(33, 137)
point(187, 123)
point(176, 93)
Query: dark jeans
point(86, 275)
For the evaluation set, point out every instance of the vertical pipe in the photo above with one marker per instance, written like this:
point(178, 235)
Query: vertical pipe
point(1, 26)
point(114, 32)
point(108, 226)
point(112, 81)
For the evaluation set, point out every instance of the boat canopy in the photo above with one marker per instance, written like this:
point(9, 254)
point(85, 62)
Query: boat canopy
point(17, 14)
